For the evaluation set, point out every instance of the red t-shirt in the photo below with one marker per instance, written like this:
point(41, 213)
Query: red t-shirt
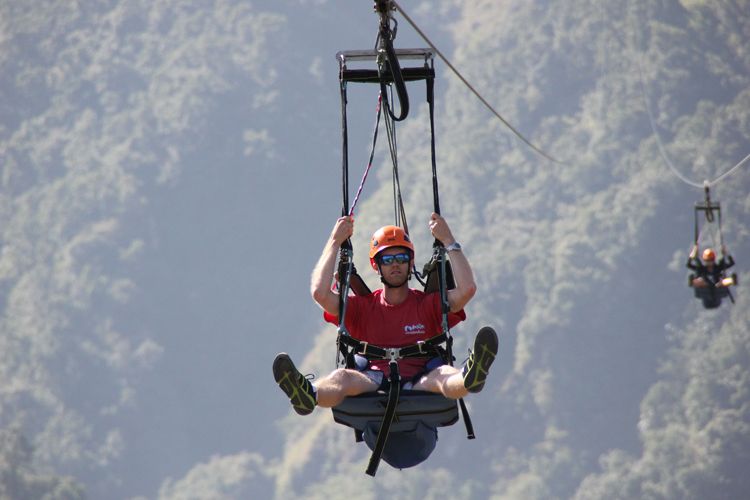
point(371, 319)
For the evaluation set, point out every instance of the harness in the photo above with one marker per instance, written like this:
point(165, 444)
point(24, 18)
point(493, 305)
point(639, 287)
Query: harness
point(436, 276)
point(429, 348)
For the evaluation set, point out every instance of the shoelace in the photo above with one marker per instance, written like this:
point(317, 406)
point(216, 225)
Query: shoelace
point(309, 376)
point(469, 357)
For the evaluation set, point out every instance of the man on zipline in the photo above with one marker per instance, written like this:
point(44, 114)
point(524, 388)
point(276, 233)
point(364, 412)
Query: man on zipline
point(394, 316)
point(710, 281)
point(710, 273)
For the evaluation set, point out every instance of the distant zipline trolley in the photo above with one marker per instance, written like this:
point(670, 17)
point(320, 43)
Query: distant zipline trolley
point(399, 426)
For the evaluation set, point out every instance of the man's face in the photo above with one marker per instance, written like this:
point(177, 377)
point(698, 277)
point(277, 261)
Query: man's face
point(394, 265)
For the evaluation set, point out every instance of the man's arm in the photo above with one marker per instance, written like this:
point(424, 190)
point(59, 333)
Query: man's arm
point(725, 263)
point(462, 273)
point(322, 275)
point(727, 259)
point(690, 264)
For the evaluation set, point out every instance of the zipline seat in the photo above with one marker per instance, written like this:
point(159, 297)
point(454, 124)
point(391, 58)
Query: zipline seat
point(413, 432)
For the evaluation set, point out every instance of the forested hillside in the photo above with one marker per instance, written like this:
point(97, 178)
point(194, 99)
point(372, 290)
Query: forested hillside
point(170, 172)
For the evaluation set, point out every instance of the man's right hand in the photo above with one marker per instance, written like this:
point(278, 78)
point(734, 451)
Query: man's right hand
point(343, 230)
point(322, 275)
point(694, 252)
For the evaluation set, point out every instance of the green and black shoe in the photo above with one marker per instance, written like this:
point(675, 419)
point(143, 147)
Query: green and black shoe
point(294, 384)
point(480, 359)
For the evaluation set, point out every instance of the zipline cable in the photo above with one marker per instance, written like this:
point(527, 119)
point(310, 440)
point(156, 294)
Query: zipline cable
point(659, 143)
point(731, 170)
point(473, 90)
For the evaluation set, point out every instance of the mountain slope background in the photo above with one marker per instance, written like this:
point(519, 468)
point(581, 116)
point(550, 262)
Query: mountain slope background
point(170, 171)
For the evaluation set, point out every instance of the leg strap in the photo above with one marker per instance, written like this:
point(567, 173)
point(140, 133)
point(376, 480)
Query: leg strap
point(467, 419)
point(385, 426)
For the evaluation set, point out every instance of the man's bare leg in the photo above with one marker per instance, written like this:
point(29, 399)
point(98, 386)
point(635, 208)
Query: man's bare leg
point(446, 380)
point(456, 383)
point(334, 387)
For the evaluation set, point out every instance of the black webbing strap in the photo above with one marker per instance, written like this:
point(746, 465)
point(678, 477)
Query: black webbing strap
point(345, 268)
point(431, 277)
point(442, 275)
point(391, 64)
point(394, 391)
point(344, 149)
point(467, 419)
point(428, 348)
point(357, 284)
point(444, 272)
point(709, 212)
point(346, 262)
point(431, 104)
point(729, 294)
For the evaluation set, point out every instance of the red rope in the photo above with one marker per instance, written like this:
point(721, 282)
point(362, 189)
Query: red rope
point(372, 154)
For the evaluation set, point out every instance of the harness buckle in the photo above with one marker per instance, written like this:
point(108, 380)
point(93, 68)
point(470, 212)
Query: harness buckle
point(420, 345)
point(363, 344)
point(393, 353)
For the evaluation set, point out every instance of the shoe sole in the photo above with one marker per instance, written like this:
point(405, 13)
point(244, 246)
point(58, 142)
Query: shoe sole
point(286, 374)
point(483, 355)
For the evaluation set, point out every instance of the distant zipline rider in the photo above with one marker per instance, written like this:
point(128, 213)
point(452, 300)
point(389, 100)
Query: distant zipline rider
point(709, 280)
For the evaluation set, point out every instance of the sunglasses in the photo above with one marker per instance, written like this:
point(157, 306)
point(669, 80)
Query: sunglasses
point(399, 258)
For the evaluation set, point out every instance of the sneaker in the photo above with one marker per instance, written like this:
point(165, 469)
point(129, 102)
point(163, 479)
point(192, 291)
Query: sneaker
point(294, 384)
point(480, 359)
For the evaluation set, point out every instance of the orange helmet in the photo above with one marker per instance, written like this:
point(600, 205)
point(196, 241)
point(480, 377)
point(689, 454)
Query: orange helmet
point(709, 255)
point(387, 237)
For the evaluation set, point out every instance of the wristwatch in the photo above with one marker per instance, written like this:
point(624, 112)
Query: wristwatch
point(453, 246)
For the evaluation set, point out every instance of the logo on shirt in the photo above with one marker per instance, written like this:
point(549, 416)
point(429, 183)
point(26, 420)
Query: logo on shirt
point(417, 329)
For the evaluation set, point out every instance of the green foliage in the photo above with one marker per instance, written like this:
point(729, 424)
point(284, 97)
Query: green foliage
point(19, 478)
point(131, 132)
